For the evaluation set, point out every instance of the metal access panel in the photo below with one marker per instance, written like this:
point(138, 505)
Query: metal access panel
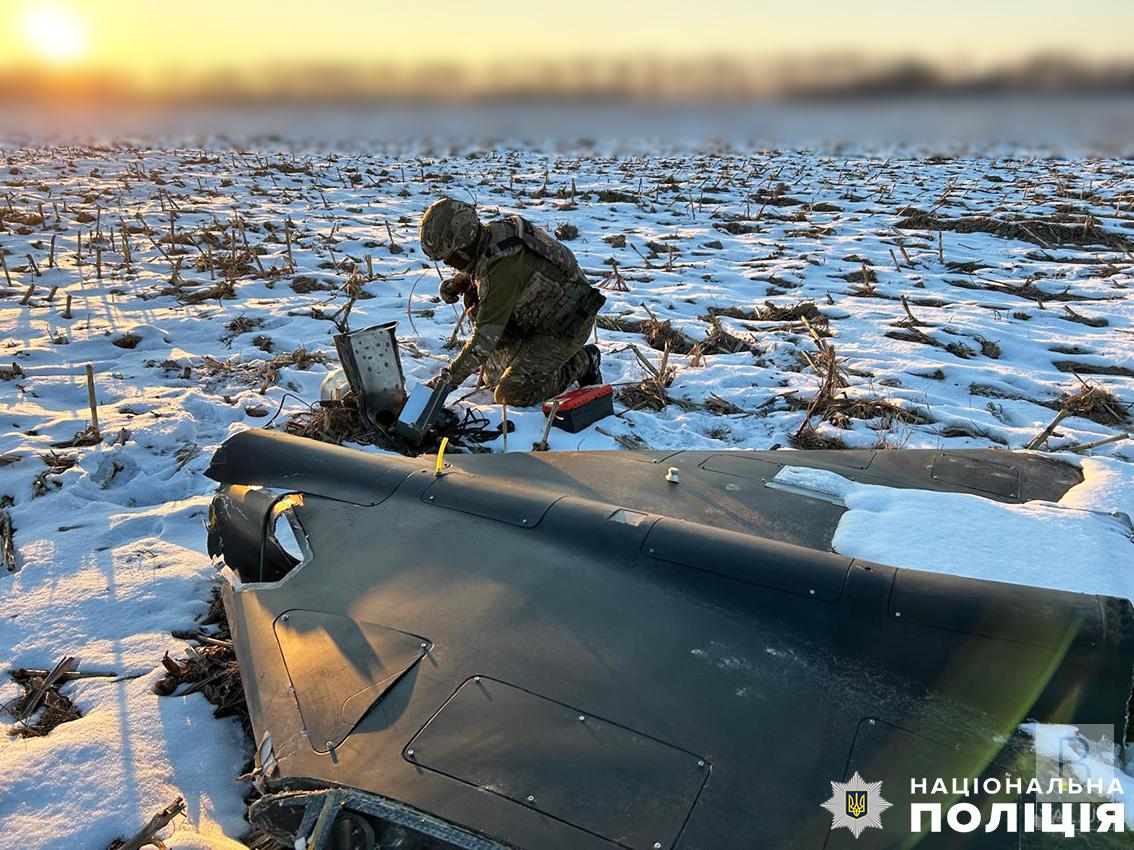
point(339, 667)
point(766, 563)
point(985, 475)
point(743, 465)
point(1008, 612)
point(613, 782)
point(892, 755)
point(489, 498)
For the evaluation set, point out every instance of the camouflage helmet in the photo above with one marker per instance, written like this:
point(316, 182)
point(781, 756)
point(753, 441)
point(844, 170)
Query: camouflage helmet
point(447, 226)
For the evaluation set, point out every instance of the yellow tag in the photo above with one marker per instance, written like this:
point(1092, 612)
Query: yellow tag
point(441, 455)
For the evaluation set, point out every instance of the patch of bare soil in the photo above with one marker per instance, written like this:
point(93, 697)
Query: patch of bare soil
point(809, 438)
point(720, 340)
point(1096, 403)
point(42, 706)
point(339, 422)
point(1038, 231)
point(1077, 368)
point(972, 432)
point(839, 410)
point(659, 333)
point(1028, 290)
point(1089, 321)
point(772, 313)
point(209, 667)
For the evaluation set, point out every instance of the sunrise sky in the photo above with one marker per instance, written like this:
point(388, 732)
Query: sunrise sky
point(145, 38)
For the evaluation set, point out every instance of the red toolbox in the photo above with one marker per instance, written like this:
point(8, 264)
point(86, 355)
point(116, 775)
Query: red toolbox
point(579, 408)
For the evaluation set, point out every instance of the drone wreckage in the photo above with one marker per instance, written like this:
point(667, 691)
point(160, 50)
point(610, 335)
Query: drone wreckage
point(641, 650)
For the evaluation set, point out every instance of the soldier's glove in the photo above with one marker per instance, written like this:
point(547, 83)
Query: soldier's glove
point(441, 378)
point(452, 289)
point(472, 301)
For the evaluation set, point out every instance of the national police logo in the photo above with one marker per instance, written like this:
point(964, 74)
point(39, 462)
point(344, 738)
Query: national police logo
point(857, 804)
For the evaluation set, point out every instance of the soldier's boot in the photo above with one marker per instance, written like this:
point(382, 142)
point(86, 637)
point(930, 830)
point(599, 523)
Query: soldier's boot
point(593, 373)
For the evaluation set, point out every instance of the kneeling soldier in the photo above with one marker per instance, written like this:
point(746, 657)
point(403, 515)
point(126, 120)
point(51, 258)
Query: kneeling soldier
point(531, 304)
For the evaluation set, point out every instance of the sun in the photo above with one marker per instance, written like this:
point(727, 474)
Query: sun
point(55, 33)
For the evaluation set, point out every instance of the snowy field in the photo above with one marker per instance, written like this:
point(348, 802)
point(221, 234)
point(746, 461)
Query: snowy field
point(755, 300)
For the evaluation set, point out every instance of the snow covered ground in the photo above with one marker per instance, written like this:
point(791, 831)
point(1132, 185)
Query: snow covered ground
point(1085, 543)
point(217, 314)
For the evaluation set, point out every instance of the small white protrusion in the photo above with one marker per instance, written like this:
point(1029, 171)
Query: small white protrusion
point(672, 476)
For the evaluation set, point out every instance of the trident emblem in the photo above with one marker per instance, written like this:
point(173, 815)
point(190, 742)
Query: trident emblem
point(856, 803)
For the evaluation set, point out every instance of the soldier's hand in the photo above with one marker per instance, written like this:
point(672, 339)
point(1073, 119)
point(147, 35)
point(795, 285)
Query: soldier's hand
point(442, 377)
point(451, 290)
point(472, 301)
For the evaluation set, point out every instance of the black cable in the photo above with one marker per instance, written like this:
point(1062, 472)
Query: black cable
point(475, 427)
point(283, 398)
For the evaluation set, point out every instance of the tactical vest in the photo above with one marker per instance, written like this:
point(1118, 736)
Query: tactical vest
point(558, 301)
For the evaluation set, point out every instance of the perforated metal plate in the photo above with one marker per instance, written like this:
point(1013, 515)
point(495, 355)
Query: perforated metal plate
point(371, 361)
point(606, 779)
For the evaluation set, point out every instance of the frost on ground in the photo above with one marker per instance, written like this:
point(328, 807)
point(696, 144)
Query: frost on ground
point(755, 299)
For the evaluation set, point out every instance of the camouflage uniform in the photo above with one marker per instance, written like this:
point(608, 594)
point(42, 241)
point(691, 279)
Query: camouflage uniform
point(527, 370)
point(535, 313)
